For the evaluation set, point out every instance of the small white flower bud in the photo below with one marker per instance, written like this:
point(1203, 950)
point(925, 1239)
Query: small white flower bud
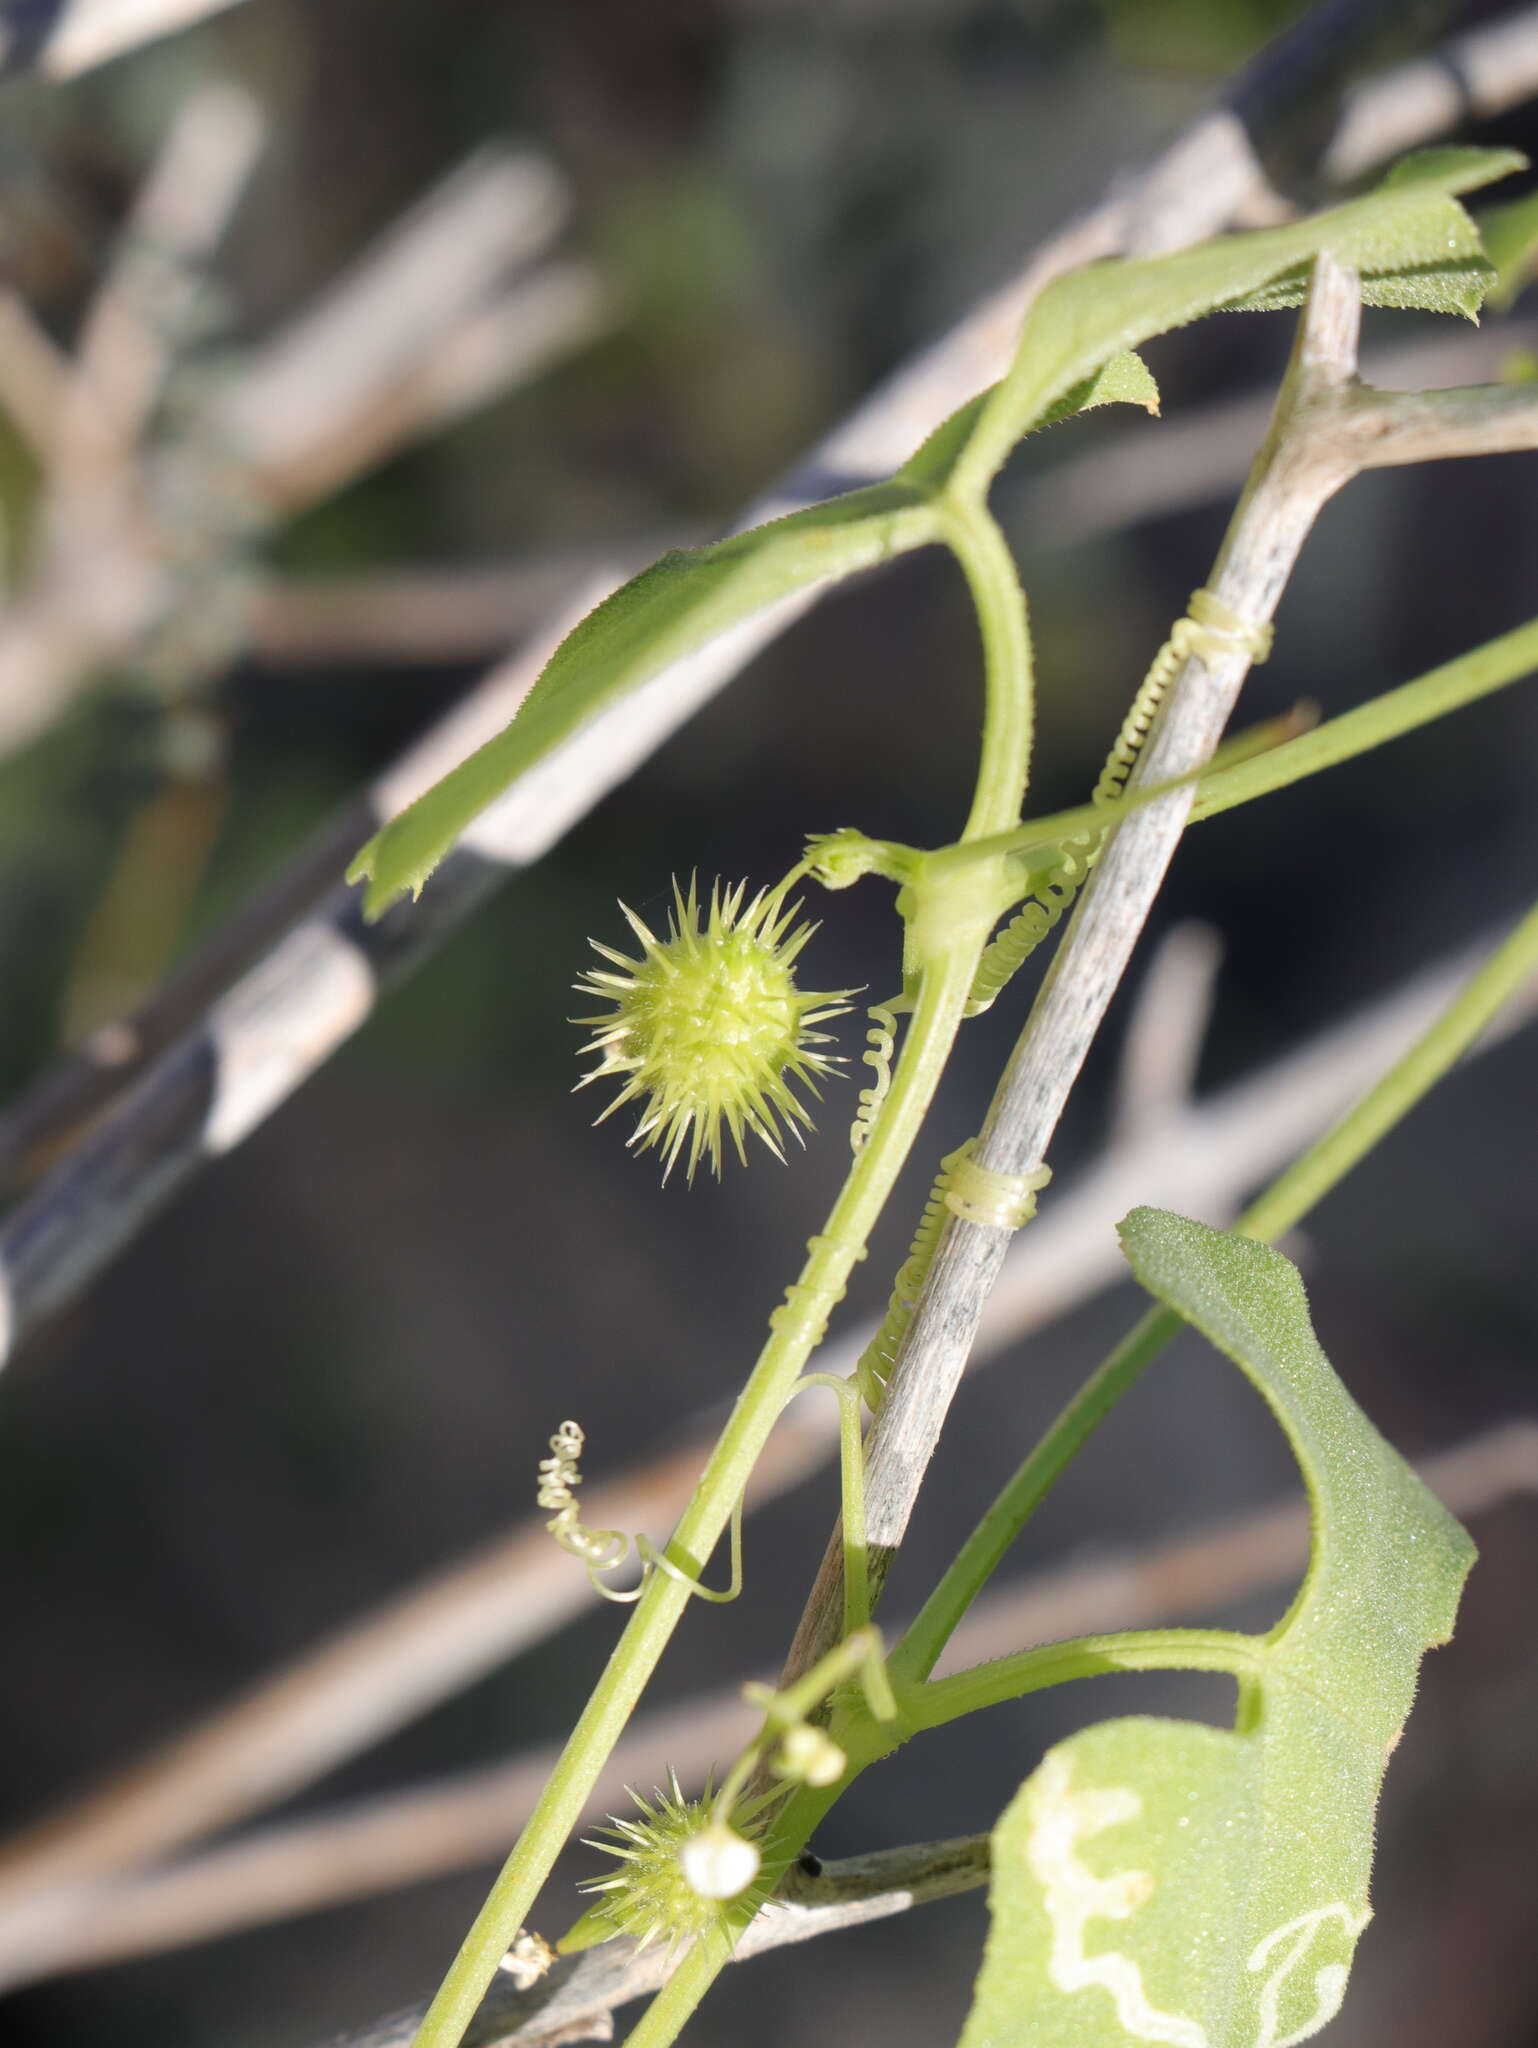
point(718, 1863)
point(810, 1757)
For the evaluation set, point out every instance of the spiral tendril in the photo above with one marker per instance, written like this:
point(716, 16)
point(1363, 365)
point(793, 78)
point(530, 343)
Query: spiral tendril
point(874, 1366)
point(962, 1188)
point(882, 1041)
point(604, 1550)
point(1209, 630)
point(1003, 1201)
point(1004, 956)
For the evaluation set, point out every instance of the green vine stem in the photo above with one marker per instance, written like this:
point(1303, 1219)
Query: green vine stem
point(1004, 771)
point(1387, 717)
point(947, 931)
point(931, 1706)
point(1284, 1204)
point(1011, 1678)
point(925, 1705)
point(936, 1017)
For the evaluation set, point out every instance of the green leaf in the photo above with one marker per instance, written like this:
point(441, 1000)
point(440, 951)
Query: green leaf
point(1162, 1881)
point(1124, 379)
point(682, 601)
point(1410, 239)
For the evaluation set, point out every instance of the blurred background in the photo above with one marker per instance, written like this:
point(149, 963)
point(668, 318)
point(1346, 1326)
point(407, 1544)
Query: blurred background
point(328, 1367)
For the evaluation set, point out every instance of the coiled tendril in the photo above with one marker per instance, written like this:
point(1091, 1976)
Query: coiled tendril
point(962, 1188)
point(1209, 630)
point(882, 1041)
point(604, 1550)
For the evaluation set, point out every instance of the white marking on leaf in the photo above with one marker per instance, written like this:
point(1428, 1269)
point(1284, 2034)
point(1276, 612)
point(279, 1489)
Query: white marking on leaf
point(1072, 1896)
point(1329, 1979)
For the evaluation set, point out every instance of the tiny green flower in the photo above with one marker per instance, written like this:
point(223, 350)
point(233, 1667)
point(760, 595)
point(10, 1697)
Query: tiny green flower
point(708, 1026)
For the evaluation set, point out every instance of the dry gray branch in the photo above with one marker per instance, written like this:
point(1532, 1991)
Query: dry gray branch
point(576, 2001)
point(1156, 1072)
point(1201, 1159)
point(94, 579)
point(1205, 452)
point(521, 330)
point(455, 613)
point(1207, 177)
point(446, 310)
point(406, 1837)
point(1297, 470)
point(1326, 430)
point(77, 35)
point(1471, 77)
point(342, 370)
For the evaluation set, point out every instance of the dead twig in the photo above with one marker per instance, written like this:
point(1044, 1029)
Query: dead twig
point(76, 35)
point(1326, 429)
point(402, 1838)
point(176, 1117)
point(1200, 1158)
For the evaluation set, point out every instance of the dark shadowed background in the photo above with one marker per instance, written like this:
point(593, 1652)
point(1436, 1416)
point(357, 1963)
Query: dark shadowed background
point(330, 1366)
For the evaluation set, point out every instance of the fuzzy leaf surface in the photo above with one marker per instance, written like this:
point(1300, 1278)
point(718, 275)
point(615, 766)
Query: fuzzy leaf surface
point(681, 603)
point(1163, 1881)
point(1410, 240)
point(685, 599)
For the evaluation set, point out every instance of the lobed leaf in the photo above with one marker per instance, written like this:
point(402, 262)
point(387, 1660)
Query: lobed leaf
point(1162, 1881)
point(1410, 230)
point(1411, 241)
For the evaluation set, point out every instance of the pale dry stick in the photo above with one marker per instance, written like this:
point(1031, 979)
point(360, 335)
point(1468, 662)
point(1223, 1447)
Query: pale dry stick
point(363, 1683)
point(400, 1838)
point(319, 983)
point(1156, 1070)
point(529, 325)
point(1207, 1158)
point(94, 579)
point(459, 612)
point(300, 909)
point(1473, 76)
point(577, 2000)
point(420, 616)
point(64, 40)
point(427, 324)
point(1325, 430)
point(314, 386)
point(136, 322)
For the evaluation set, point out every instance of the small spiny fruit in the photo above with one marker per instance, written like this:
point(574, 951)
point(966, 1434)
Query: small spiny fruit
point(684, 1871)
point(708, 1026)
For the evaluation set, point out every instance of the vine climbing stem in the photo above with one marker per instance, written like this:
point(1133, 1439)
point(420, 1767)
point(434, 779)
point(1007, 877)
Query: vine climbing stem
point(796, 1329)
point(1009, 718)
point(944, 963)
point(1298, 469)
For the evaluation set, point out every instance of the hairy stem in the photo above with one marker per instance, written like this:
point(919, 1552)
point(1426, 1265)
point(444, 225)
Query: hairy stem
point(1009, 714)
point(1011, 1678)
